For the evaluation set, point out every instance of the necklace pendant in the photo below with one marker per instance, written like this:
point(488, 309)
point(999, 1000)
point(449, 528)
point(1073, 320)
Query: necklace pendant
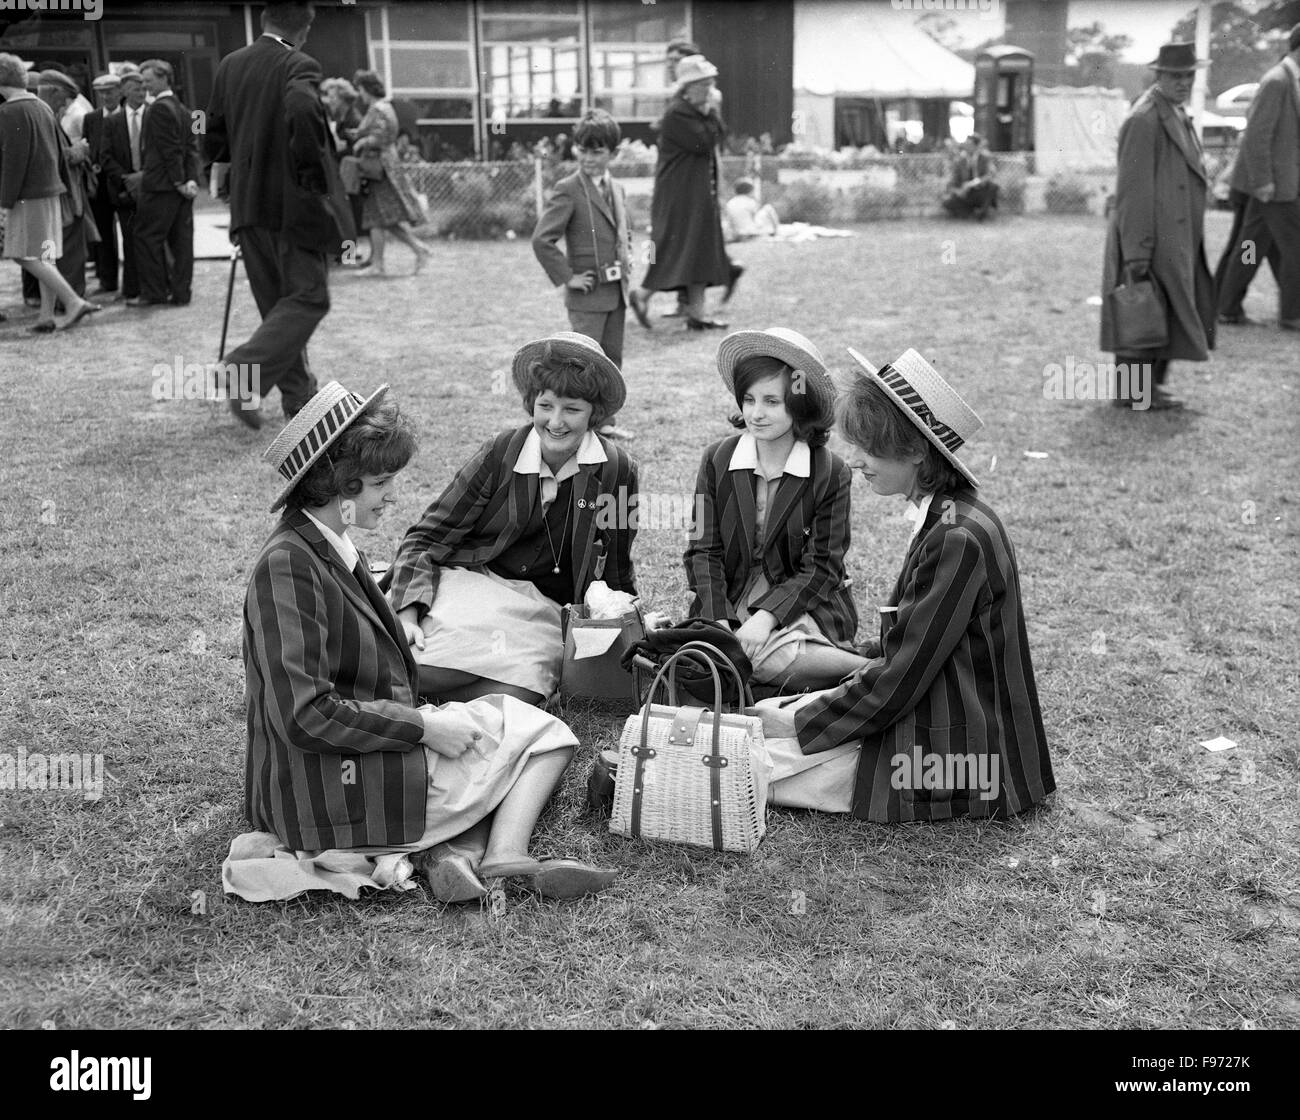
point(556, 570)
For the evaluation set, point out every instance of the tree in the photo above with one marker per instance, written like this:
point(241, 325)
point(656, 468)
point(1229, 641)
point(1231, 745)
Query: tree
point(1093, 39)
point(942, 29)
point(1279, 15)
point(1240, 47)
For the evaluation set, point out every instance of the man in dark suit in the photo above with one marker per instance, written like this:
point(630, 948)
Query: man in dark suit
point(1268, 170)
point(120, 159)
point(288, 211)
point(169, 185)
point(108, 92)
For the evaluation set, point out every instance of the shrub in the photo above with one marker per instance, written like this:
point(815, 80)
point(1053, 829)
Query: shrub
point(806, 201)
point(1067, 194)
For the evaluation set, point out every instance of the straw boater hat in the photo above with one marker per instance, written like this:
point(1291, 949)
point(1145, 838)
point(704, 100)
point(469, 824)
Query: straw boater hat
point(1177, 56)
point(790, 347)
point(929, 402)
point(575, 348)
point(693, 68)
point(106, 81)
point(309, 434)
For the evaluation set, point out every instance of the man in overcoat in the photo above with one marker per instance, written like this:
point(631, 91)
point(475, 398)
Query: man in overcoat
point(1157, 230)
point(1268, 171)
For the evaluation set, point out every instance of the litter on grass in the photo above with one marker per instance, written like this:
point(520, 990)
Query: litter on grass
point(1035, 454)
point(1219, 744)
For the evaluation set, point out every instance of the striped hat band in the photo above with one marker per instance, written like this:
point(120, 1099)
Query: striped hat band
point(910, 397)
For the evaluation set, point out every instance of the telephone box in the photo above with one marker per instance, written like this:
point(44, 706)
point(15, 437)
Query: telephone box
point(1004, 98)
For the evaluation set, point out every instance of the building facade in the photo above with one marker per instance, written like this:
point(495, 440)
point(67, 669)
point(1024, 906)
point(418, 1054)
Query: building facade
point(471, 77)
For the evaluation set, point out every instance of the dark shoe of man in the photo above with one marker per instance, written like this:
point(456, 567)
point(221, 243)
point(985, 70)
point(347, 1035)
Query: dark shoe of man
point(734, 274)
point(146, 301)
point(1236, 319)
point(640, 307)
point(1289, 324)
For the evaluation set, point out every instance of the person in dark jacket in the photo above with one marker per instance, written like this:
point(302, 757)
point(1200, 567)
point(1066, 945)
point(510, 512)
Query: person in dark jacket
point(165, 221)
point(1157, 230)
point(288, 211)
point(943, 721)
point(120, 159)
point(685, 216)
point(108, 92)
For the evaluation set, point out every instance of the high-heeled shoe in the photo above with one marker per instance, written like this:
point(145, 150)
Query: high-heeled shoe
point(694, 324)
point(421, 259)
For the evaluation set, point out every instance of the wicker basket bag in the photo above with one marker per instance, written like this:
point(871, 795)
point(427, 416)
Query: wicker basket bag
point(692, 775)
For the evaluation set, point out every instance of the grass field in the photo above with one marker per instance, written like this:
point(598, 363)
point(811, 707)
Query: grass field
point(1159, 559)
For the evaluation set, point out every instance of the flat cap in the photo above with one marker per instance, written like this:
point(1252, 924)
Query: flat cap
point(60, 79)
point(106, 81)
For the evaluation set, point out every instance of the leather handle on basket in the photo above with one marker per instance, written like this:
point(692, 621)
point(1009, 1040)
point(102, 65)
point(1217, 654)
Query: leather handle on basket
point(706, 651)
point(714, 760)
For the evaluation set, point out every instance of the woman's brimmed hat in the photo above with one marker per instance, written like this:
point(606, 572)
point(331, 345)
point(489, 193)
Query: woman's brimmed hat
point(926, 399)
point(309, 434)
point(573, 347)
point(787, 346)
point(1177, 56)
point(693, 68)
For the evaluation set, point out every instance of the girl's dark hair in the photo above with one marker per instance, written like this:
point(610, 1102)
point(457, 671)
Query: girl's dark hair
point(381, 441)
point(869, 418)
point(812, 423)
point(369, 81)
point(567, 378)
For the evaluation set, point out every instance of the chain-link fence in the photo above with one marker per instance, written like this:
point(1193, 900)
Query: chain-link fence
point(490, 200)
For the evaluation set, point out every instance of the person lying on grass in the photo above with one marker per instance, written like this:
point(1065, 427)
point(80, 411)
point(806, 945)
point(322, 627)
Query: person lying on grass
point(943, 721)
point(766, 555)
point(537, 514)
point(340, 753)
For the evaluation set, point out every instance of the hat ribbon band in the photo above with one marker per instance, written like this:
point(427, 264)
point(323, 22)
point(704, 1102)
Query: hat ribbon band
point(896, 381)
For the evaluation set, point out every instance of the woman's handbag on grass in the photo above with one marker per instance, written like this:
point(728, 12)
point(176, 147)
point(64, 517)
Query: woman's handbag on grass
point(658, 645)
point(593, 654)
point(372, 165)
point(1140, 313)
point(692, 775)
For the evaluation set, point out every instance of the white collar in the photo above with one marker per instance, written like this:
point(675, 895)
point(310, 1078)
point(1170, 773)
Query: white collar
point(530, 457)
point(283, 42)
point(917, 512)
point(343, 547)
point(745, 458)
point(165, 93)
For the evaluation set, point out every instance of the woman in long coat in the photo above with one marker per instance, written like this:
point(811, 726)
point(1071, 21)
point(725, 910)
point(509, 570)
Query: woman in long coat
point(1158, 229)
point(689, 249)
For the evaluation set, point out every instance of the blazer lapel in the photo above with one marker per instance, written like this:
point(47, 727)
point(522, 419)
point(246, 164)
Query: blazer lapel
point(585, 492)
point(1171, 117)
point(381, 607)
point(785, 499)
point(743, 484)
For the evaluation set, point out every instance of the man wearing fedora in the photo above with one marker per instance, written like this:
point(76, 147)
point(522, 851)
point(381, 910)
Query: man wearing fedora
point(1157, 232)
point(108, 94)
point(1268, 171)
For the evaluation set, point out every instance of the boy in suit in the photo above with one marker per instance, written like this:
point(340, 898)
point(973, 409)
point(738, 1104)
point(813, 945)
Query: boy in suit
point(589, 211)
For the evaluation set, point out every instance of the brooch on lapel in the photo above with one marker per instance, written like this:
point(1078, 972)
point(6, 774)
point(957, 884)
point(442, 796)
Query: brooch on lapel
point(582, 503)
point(807, 532)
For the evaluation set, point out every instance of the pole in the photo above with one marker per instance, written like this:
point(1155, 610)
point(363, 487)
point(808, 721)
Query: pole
point(1202, 82)
point(230, 294)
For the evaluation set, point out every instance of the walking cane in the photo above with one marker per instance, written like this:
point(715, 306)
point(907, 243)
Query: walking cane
point(230, 292)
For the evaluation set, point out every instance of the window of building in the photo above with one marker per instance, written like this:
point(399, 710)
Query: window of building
point(425, 55)
point(629, 72)
point(533, 65)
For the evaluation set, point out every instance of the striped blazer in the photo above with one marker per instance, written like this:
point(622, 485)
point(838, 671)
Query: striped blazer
point(334, 754)
point(953, 678)
point(487, 506)
point(805, 538)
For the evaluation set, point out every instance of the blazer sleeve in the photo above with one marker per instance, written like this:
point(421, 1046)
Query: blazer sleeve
point(216, 139)
point(550, 228)
point(705, 551)
point(288, 627)
point(305, 121)
point(1135, 186)
point(1257, 142)
point(434, 539)
point(168, 134)
point(937, 605)
point(821, 567)
point(619, 573)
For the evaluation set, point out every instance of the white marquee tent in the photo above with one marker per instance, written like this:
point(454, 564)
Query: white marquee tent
point(869, 50)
